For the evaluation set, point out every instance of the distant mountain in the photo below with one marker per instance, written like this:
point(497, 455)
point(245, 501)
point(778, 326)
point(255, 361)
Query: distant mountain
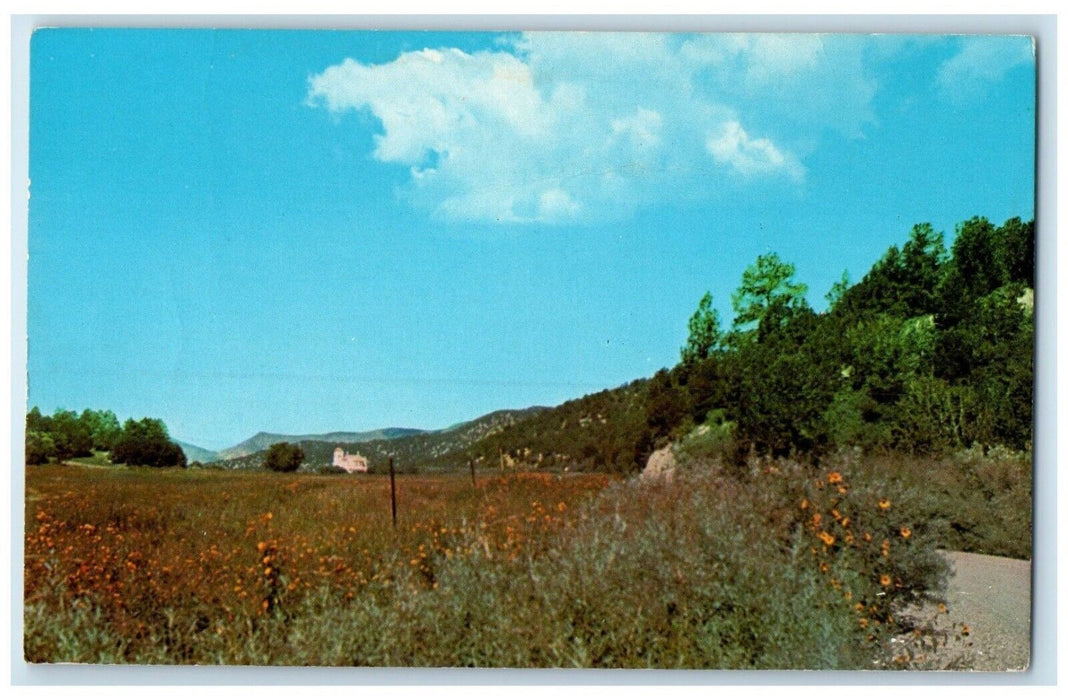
point(197, 454)
point(410, 449)
point(261, 441)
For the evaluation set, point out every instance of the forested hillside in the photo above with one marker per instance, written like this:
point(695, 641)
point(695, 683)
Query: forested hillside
point(930, 351)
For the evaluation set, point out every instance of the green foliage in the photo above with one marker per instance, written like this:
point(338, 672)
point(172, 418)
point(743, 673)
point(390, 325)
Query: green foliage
point(35, 422)
point(61, 436)
point(838, 290)
point(704, 330)
point(72, 436)
point(781, 384)
point(1018, 251)
point(146, 443)
point(851, 420)
point(605, 431)
point(971, 500)
point(283, 457)
point(766, 283)
point(104, 427)
point(712, 442)
point(904, 282)
point(667, 405)
point(40, 448)
point(894, 364)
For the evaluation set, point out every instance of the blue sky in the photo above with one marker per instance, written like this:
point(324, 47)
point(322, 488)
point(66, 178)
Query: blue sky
point(307, 231)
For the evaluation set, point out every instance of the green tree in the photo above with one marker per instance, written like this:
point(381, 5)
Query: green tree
point(838, 290)
point(37, 422)
point(40, 448)
point(147, 443)
point(283, 457)
point(1018, 251)
point(781, 383)
point(704, 330)
point(667, 405)
point(72, 436)
point(977, 268)
point(904, 282)
point(104, 428)
point(766, 283)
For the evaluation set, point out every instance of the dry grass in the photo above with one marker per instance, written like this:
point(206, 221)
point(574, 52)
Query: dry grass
point(220, 549)
point(531, 570)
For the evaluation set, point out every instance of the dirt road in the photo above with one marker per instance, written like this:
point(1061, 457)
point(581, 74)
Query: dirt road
point(992, 596)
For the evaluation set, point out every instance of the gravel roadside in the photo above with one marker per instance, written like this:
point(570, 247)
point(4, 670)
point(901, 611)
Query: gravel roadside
point(989, 598)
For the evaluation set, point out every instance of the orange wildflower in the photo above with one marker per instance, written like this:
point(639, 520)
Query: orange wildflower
point(906, 532)
point(885, 580)
point(884, 503)
point(834, 478)
point(828, 538)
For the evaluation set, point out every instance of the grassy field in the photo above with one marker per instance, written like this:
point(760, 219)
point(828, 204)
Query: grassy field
point(793, 566)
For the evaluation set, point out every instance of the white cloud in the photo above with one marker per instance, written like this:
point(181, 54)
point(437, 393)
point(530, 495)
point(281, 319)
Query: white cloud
point(981, 62)
point(811, 82)
point(731, 145)
point(572, 126)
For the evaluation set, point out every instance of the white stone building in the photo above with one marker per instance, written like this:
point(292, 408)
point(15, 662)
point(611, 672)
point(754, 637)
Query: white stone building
point(350, 463)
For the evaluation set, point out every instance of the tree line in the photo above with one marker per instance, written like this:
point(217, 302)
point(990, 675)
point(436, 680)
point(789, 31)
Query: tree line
point(932, 350)
point(66, 435)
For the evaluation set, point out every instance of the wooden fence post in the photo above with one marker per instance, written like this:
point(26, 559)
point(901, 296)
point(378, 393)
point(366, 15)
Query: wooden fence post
point(471, 463)
point(393, 492)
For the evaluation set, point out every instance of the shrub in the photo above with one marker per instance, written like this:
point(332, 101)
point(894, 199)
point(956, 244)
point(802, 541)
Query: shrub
point(283, 457)
point(711, 442)
point(40, 448)
point(146, 443)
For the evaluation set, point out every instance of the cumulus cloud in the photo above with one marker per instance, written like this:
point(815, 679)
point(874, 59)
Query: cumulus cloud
point(981, 62)
point(564, 127)
point(730, 144)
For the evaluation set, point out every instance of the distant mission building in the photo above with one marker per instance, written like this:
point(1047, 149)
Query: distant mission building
point(350, 463)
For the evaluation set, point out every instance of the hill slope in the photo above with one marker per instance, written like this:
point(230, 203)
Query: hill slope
point(261, 441)
point(193, 453)
point(435, 450)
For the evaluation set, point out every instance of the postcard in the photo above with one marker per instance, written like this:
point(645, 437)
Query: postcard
point(549, 349)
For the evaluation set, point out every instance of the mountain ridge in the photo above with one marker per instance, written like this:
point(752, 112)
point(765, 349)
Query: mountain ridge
point(409, 446)
point(263, 439)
